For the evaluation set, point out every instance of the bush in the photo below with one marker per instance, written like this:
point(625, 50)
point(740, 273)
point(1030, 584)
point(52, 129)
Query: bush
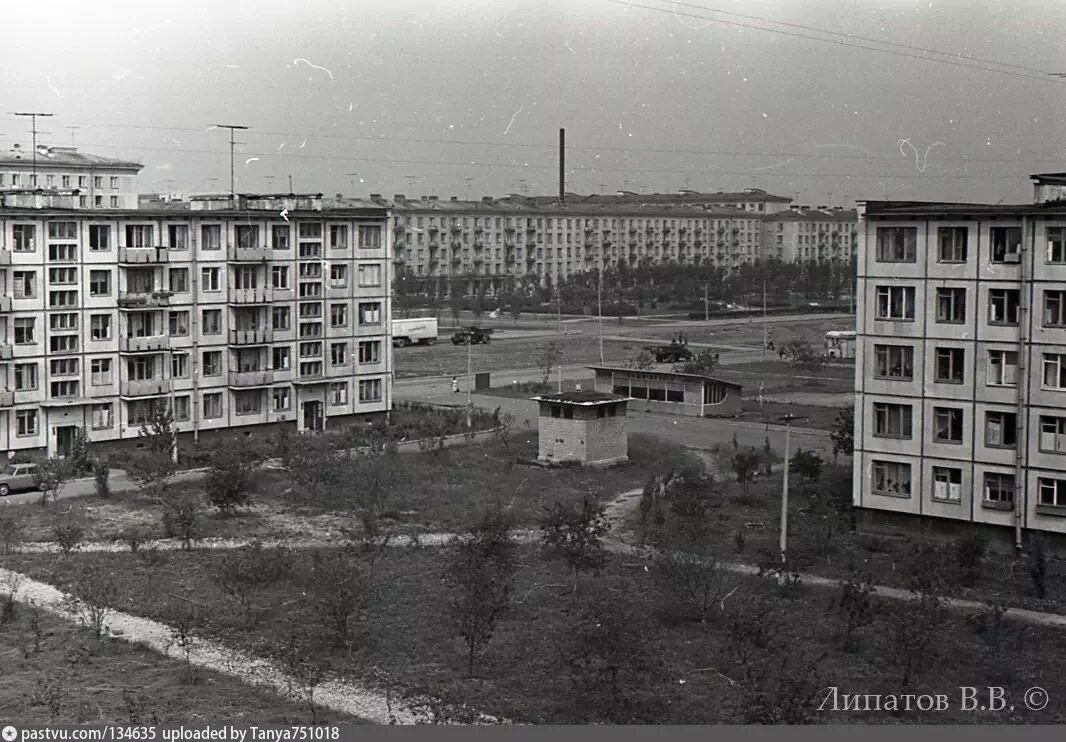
point(970, 550)
point(181, 519)
point(101, 477)
point(68, 535)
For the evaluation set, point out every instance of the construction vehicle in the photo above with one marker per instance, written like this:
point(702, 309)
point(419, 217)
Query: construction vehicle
point(472, 336)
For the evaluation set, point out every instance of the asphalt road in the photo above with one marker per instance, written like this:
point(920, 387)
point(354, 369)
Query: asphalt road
point(81, 487)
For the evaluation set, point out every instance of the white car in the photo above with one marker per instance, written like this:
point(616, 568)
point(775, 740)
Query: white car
point(18, 478)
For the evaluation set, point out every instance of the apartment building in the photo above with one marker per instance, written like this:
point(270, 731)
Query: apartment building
point(960, 411)
point(801, 234)
point(95, 182)
point(245, 314)
point(495, 242)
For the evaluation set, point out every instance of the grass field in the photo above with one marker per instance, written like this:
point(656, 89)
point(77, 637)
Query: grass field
point(55, 672)
point(751, 654)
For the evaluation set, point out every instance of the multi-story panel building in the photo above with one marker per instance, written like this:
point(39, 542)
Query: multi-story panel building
point(95, 182)
point(267, 311)
point(497, 241)
point(801, 234)
point(960, 408)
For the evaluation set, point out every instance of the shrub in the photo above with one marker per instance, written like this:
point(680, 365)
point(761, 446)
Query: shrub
point(68, 535)
point(575, 535)
point(181, 519)
point(970, 550)
point(101, 479)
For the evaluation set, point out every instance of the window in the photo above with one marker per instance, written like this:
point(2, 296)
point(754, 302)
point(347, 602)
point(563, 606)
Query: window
point(370, 390)
point(140, 412)
point(281, 398)
point(1056, 245)
point(26, 422)
point(1052, 434)
point(338, 236)
point(24, 237)
point(310, 350)
point(281, 317)
point(100, 369)
point(947, 484)
point(178, 236)
point(25, 330)
point(64, 181)
point(100, 326)
point(114, 183)
point(1054, 308)
point(139, 235)
point(1001, 429)
point(894, 361)
point(895, 302)
point(181, 408)
point(211, 237)
point(338, 393)
point(1003, 306)
point(62, 230)
point(897, 244)
point(338, 354)
point(63, 389)
point(25, 376)
point(179, 365)
point(369, 274)
point(338, 276)
point(370, 351)
point(370, 313)
point(247, 402)
point(62, 276)
point(338, 315)
point(1002, 368)
point(947, 424)
point(1051, 492)
point(211, 279)
point(212, 405)
point(247, 235)
point(279, 277)
point(100, 283)
point(24, 284)
point(1006, 244)
point(103, 416)
point(179, 324)
point(891, 479)
point(62, 298)
point(212, 363)
point(1054, 371)
point(178, 279)
point(280, 234)
point(64, 321)
point(999, 491)
point(212, 322)
point(246, 277)
point(113, 201)
point(369, 237)
point(892, 420)
point(310, 369)
point(951, 305)
point(280, 358)
point(99, 237)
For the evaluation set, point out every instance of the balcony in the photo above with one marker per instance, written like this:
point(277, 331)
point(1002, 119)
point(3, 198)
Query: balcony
point(7, 352)
point(260, 336)
point(5, 303)
point(310, 379)
point(283, 294)
point(142, 255)
point(140, 300)
point(144, 387)
point(7, 399)
point(146, 344)
point(246, 379)
point(258, 295)
point(238, 254)
point(5, 257)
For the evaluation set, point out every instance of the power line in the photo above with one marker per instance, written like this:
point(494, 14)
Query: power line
point(709, 19)
point(957, 55)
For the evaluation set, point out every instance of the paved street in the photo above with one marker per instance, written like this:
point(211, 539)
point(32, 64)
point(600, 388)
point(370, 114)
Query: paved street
point(81, 487)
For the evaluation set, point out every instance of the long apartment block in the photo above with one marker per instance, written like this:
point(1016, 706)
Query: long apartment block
point(960, 407)
point(258, 312)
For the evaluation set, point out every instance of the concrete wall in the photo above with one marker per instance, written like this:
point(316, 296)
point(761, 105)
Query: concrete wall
point(586, 437)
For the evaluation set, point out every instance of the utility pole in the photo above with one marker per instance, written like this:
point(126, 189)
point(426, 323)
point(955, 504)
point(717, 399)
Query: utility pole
point(706, 305)
point(562, 166)
point(352, 176)
point(784, 490)
point(232, 144)
point(599, 304)
point(468, 187)
point(291, 192)
point(73, 131)
point(765, 338)
point(469, 382)
point(33, 127)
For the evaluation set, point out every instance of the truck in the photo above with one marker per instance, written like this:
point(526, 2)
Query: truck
point(422, 330)
point(669, 353)
point(472, 336)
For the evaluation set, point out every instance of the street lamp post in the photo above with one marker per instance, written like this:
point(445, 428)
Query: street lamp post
point(469, 383)
point(784, 489)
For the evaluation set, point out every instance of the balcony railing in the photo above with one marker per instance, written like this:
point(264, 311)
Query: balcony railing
point(5, 303)
point(146, 344)
point(251, 378)
point(142, 255)
point(5, 257)
point(239, 254)
point(260, 336)
point(7, 399)
point(7, 351)
point(283, 294)
point(138, 299)
point(144, 387)
point(258, 295)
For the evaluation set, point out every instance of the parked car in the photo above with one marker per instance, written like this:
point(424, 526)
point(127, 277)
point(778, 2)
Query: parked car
point(18, 478)
point(471, 335)
point(670, 353)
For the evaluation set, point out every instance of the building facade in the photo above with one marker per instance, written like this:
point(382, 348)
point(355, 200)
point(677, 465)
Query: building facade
point(960, 410)
point(271, 311)
point(94, 182)
point(801, 234)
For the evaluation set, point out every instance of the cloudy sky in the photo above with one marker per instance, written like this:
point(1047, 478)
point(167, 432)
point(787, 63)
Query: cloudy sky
point(466, 97)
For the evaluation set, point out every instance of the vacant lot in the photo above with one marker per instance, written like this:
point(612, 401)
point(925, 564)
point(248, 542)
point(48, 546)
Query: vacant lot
point(56, 672)
point(751, 660)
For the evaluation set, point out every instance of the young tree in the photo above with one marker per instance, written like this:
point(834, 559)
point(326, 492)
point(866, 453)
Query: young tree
point(247, 571)
point(857, 607)
point(456, 289)
point(338, 586)
point(515, 301)
point(575, 535)
point(970, 550)
point(745, 467)
point(96, 596)
point(702, 363)
point(807, 464)
point(152, 466)
point(229, 477)
point(915, 631)
point(80, 456)
point(642, 361)
point(843, 433)
point(479, 570)
point(801, 355)
point(51, 475)
point(547, 357)
point(502, 427)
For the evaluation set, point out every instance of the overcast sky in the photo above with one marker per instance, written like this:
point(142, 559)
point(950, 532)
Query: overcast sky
point(467, 97)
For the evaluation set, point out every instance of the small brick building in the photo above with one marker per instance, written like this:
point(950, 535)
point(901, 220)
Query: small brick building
point(585, 426)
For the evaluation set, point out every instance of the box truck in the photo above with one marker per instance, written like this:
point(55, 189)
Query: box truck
point(420, 330)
